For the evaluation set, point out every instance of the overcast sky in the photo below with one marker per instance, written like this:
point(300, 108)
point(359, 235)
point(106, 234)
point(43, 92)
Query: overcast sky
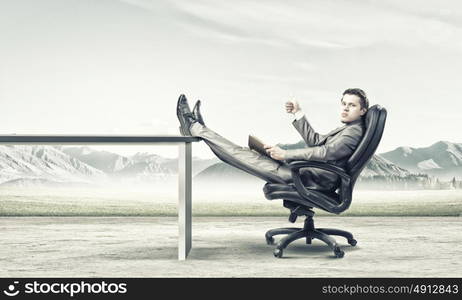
point(118, 67)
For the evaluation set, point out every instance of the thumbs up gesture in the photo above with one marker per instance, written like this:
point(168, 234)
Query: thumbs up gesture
point(292, 106)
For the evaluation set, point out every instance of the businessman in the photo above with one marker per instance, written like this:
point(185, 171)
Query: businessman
point(335, 147)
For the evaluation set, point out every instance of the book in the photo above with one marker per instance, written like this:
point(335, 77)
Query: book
point(257, 145)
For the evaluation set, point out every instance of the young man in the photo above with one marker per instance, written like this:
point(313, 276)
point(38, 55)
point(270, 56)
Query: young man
point(336, 146)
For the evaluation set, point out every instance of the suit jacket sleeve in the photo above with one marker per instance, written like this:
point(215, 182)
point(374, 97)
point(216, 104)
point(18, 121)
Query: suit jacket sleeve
point(339, 148)
point(307, 132)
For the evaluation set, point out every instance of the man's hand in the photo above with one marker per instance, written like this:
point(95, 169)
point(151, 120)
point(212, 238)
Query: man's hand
point(275, 152)
point(292, 106)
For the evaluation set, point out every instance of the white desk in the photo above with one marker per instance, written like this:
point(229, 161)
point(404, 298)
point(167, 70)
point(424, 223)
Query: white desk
point(184, 168)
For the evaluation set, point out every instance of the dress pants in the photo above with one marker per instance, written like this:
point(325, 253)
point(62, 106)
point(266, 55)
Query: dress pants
point(243, 158)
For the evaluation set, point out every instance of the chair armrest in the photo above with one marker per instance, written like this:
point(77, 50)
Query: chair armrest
point(296, 165)
point(322, 200)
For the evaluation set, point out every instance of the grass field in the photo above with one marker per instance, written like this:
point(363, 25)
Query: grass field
point(114, 202)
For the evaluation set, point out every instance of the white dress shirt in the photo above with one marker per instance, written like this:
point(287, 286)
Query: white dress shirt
point(297, 116)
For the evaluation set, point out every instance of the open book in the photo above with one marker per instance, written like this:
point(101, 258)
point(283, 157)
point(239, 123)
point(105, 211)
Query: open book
point(257, 145)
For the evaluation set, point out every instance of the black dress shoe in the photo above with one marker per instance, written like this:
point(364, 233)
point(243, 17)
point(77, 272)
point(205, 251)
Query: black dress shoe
point(184, 115)
point(197, 113)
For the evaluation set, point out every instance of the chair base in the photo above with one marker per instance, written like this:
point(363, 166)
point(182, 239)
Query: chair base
point(309, 233)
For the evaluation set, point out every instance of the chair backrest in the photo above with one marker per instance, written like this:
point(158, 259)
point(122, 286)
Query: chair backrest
point(375, 123)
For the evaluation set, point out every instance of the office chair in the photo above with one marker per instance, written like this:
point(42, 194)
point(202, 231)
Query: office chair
point(301, 200)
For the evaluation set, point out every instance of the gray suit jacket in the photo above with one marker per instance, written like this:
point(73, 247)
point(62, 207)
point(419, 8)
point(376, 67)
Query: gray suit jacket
point(336, 147)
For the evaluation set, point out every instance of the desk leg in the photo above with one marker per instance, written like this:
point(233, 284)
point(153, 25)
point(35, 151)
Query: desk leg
point(184, 197)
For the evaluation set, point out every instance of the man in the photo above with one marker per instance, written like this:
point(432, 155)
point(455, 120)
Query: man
point(335, 147)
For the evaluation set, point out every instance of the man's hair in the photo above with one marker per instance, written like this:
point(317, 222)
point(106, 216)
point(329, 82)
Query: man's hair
point(363, 101)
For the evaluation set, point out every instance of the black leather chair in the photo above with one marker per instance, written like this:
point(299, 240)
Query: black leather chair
point(301, 200)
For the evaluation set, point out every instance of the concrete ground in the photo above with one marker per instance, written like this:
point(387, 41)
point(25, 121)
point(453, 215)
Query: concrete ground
point(226, 247)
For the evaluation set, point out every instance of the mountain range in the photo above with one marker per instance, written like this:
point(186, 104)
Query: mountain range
point(442, 159)
point(61, 165)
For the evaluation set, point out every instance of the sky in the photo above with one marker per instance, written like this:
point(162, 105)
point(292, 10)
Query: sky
point(117, 67)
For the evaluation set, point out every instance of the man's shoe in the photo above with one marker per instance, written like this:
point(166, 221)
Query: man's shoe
point(184, 115)
point(197, 112)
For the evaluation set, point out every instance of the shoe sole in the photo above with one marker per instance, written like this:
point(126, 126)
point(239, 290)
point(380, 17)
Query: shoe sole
point(198, 116)
point(181, 118)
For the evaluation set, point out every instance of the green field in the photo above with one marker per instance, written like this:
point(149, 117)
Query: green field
point(75, 202)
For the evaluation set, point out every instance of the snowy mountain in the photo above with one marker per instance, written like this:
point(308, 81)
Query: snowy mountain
point(102, 160)
point(380, 166)
point(442, 159)
point(142, 164)
point(139, 167)
point(44, 162)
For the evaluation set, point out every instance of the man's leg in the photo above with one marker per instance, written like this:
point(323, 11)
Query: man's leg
point(242, 157)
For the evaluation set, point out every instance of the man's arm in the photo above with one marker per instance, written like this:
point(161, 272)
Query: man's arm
point(307, 132)
point(302, 125)
point(342, 147)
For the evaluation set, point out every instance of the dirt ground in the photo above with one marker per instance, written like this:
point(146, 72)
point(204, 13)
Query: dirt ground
point(226, 247)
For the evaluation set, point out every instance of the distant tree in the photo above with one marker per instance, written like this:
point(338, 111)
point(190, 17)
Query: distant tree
point(438, 184)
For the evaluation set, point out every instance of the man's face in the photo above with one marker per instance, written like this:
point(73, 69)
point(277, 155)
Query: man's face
point(351, 109)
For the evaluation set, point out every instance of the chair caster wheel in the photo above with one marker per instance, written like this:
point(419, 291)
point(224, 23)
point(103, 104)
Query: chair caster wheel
point(270, 240)
point(277, 253)
point(339, 253)
point(292, 218)
point(352, 242)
